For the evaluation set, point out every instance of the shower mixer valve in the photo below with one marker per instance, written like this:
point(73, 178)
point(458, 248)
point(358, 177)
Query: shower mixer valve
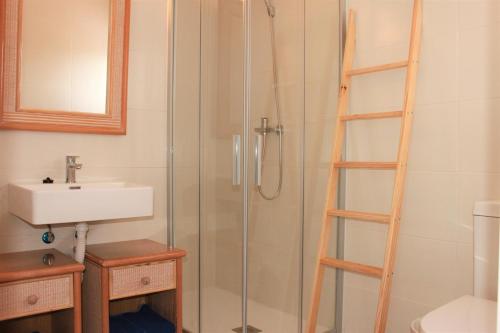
point(260, 152)
point(264, 126)
point(266, 129)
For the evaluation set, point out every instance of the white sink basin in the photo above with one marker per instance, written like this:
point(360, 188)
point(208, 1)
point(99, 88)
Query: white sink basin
point(81, 202)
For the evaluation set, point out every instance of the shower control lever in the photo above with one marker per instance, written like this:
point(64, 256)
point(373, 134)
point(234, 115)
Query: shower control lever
point(265, 129)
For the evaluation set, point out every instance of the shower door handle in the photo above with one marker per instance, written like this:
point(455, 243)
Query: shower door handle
point(236, 159)
point(258, 159)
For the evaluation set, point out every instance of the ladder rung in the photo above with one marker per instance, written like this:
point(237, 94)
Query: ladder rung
point(379, 68)
point(377, 115)
point(352, 267)
point(366, 165)
point(372, 217)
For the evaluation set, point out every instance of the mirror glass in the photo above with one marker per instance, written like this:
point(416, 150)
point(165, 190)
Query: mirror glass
point(64, 55)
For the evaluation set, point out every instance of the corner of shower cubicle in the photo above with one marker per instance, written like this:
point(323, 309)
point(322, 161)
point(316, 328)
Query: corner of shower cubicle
point(206, 214)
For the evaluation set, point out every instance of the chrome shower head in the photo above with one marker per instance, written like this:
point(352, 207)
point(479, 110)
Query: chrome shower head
point(271, 10)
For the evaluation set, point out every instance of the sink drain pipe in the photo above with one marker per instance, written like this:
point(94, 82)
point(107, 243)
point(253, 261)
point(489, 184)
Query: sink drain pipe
point(81, 241)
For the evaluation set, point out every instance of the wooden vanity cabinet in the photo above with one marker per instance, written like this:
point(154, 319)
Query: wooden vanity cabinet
point(122, 276)
point(40, 291)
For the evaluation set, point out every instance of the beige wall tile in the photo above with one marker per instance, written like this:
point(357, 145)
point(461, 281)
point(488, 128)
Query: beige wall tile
point(435, 146)
point(478, 64)
point(478, 136)
point(438, 77)
point(373, 140)
point(431, 208)
point(476, 13)
point(369, 191)
point(444, 260)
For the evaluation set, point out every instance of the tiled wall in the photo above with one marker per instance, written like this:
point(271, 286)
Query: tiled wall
point(140, 156)
point(453, 156)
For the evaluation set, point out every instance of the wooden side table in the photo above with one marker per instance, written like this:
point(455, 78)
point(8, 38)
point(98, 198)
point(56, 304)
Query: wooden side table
point(35, 288)
point(121, 276)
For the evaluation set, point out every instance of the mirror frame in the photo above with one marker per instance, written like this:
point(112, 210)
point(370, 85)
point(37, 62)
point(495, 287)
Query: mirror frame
point(114, 121)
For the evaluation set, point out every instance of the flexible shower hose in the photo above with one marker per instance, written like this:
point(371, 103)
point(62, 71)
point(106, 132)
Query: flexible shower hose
point(279, 128)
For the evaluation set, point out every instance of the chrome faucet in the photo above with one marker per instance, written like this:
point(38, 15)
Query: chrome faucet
point(71, 166)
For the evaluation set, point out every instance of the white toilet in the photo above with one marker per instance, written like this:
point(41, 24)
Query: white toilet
point(474, 314)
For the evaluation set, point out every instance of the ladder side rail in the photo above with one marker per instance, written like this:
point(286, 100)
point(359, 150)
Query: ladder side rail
point(333, 177)
point(397, 200)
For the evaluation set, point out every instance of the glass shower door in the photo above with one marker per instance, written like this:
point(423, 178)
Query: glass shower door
point(221, 179)
point(254, 116)
point(276, 166)
point(293, 55)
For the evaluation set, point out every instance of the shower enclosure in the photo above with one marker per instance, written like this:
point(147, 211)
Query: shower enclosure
point(250, 126)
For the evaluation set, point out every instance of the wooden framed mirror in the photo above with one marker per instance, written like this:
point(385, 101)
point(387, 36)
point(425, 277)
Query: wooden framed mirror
point(64, 65)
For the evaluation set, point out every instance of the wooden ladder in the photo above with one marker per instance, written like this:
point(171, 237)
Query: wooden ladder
point(393, 218)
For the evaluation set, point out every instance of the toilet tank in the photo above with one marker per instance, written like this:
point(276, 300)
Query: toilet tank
point(486, 248)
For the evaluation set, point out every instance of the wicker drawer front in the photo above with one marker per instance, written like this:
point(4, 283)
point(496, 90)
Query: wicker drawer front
point(141, 279)
point(23, 298)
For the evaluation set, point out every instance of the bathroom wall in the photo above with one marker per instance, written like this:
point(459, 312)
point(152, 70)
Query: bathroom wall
point(453, 156)
point(140, 156)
